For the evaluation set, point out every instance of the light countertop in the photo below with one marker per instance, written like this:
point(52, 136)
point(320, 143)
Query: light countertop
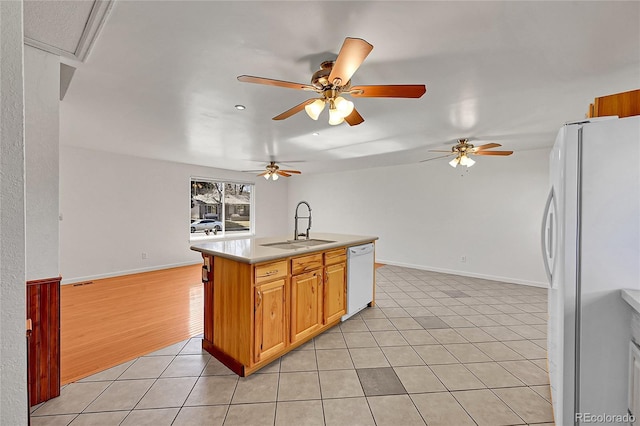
point(252, 250)
point(632, 297)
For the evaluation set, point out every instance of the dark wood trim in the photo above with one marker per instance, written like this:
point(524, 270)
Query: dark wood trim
point(231, 363)
point(55, 280)
point(43, 309)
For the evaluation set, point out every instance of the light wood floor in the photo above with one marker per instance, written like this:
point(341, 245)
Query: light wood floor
point(110, 321)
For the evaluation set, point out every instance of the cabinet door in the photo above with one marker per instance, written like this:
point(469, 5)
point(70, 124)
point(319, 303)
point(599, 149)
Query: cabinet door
point(634, 380)
point(306, 308)
point(270, 323)
point(335, 292)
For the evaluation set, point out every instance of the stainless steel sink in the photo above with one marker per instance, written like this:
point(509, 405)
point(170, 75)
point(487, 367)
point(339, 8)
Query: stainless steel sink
point(281, 245)
point(296, 244)
point(311, 242)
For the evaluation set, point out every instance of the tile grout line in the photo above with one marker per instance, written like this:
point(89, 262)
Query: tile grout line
point(405, 288)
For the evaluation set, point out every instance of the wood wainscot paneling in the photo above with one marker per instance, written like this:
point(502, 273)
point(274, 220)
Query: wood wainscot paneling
point(43, 309)
point(109, 321)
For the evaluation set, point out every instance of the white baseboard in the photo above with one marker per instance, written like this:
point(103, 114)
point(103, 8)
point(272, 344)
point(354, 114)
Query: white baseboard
point(129, 272)
point(386, 262)
point(466, 274)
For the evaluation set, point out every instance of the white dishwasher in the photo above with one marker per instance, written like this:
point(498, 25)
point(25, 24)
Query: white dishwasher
point(360, 270)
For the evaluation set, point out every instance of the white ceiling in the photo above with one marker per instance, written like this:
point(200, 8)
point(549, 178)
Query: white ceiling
point(160, 81)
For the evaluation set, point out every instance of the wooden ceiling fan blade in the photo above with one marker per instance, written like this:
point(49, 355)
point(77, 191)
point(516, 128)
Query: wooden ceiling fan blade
point(354, 118)
point(389, 91)
point(486, 146)
point(493, 153)
point(435, 158)
point(296, 172)
point(438, 150)
point(277, 83)
point(352, 53)
point(296, 109)
point(264, 173)
point(283, 173)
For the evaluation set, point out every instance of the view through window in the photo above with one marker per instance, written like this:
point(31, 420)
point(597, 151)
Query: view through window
point(220, 208)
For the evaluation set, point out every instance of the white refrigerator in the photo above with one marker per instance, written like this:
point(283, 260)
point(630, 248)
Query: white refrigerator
point(591, 249)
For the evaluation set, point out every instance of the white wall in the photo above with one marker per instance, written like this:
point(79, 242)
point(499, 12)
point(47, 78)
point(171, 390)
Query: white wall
point(42, 91)
point(428, 215)
point(115, 207)
point(13, 356)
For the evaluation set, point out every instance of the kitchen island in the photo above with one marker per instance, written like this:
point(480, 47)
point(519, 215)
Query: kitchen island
point(264, 297)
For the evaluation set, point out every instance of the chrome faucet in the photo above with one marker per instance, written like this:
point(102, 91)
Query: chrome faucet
point(295, 232)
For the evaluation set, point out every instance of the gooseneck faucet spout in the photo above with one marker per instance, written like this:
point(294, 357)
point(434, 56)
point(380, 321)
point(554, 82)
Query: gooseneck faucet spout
point(295, 232)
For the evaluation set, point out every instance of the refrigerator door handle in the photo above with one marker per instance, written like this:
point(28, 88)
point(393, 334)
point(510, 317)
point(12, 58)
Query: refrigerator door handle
point(547, 236)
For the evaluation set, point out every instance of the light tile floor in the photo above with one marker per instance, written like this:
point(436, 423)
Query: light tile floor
point(437, 349)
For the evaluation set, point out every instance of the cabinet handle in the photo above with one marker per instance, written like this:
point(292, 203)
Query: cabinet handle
point(269, 273)
point(259, 298)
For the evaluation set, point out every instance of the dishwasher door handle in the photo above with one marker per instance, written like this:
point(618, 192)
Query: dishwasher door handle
point(361, 250)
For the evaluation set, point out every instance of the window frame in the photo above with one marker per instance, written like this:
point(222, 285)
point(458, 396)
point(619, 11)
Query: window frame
point(224, 235)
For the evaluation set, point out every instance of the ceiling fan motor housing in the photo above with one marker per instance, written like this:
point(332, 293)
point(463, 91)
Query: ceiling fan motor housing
point(320, 80)
point(462, 146)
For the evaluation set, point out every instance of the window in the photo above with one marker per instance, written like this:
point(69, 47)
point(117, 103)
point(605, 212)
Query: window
point(220, 208)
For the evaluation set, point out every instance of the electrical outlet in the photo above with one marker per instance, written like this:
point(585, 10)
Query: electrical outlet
point(144, 255)
point(463, 259)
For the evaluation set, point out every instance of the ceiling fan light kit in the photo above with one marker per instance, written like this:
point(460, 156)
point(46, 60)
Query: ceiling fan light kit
point(463, 160)
point(334, 79)
point(315, 108)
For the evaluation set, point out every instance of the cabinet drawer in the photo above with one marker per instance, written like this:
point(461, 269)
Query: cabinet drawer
point(335, 256)
point(306, 263)
point(270, 271)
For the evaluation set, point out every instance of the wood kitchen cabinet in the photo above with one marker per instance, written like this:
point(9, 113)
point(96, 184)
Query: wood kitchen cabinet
point(306, 304)
point(270, 309)
point(335, 285)
point(270, 324)
point(255, 313)
point(623, 104)
point(306, 296)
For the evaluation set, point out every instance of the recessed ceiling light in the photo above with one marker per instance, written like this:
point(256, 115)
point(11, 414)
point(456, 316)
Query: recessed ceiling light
point(241, 107)
point(315, 134)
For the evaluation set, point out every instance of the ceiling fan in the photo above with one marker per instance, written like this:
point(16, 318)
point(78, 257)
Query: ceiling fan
point(273, 171)
point(463, 149)
point(333, 79)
